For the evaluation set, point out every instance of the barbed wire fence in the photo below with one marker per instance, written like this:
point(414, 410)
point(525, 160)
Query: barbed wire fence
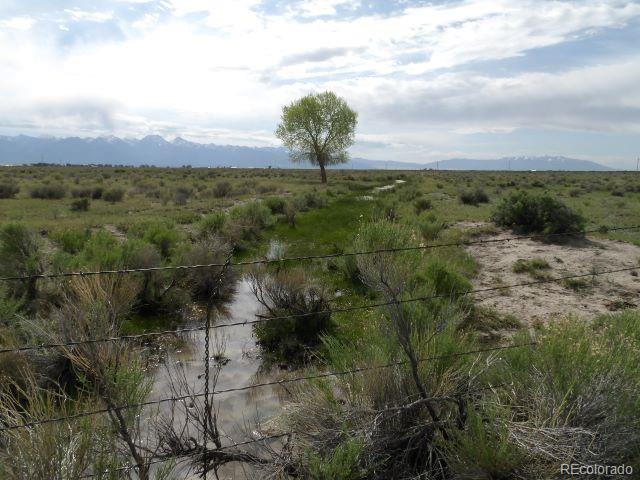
point(207, 327)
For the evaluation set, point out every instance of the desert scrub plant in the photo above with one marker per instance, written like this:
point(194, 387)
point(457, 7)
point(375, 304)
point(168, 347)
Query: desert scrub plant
point(8, 190)
point(421, 205)
point(573, 396)
point(81, 193)
point(212, 283)
point(430, 226)
point(290, 292)
point(80, 205)
point(527, 213)
point(246, 222)
point(212, 224)
point(222, 189)
point(21, 255)
point(276, 204)
point(473, 197)
point(48, 192)
point(96, 193)
point(535, 267)
point(70, 241)
point(161, 234)
point(113, 195)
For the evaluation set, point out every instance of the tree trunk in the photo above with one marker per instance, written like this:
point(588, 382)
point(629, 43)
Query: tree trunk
point(323, 173)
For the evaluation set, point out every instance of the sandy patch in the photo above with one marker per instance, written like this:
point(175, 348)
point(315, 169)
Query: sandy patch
point(544, 302)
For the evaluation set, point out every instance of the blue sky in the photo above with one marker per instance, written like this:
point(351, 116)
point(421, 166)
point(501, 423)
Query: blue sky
point(430, 80)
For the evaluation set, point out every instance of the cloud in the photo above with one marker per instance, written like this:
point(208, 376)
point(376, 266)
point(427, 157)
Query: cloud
point(18, 23)
point(422, 75)
point(594, 98)
point(319, 55)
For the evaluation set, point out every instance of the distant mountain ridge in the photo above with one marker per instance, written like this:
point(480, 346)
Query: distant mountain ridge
point(155, 150)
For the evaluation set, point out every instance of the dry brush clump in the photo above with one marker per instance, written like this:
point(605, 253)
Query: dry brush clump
point(284, 293)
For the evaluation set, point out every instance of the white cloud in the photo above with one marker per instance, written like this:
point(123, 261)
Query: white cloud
point(81, 15)
point(215, 68)
point(18, 23)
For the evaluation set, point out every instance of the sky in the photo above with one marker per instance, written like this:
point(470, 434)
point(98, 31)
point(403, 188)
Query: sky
point(429, 80)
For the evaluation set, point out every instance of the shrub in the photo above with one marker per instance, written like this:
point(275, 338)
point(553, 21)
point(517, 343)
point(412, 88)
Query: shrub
point(275, 204)
point(81, 193)
point(113, 195)
point(8, 190)
point(181, 195)
point(80, 205)
point(528, 213)
point(529, 266)
point(290, 292)
point(211, 283)
point(430, 226)
point(20, 255)
point(48, 192)
point(247, 221)
point(70, 241)
point(222, 189)
point(314, 200)
point(96, 193)
point(212, 223)
point(160, 234)
point(421, 205)
point(474, 197)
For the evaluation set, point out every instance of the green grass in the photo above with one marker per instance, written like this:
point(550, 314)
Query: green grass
point(536, 267)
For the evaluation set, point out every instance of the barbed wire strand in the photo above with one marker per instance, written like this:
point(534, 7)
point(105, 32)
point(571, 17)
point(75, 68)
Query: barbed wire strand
point(263, 384)
point(26, 348)
point(313, 257)
point(279, 435)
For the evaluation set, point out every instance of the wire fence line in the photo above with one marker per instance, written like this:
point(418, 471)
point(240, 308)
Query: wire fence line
point(314, 257)
point(167, 458)
point(208, 327)
point(41, 346)
point(264, 384)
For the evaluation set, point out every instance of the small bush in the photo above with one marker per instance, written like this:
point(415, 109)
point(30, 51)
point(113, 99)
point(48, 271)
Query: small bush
point(430, 226)
point(181, 195)
point(421, 205)
point(528, 266)
point(212, 223)
point(290, 292)
point(80, 205)
point(8, 190)
point(96, 193)
point(20, 255)
point(160, 234)
point(528, 213)
point(275, 204)
point(48, 192)
point(474, 197)
point(70, 241)
point(81, 193)
point(213, 283)
point(222, 189)
point(113, 195)
point(247, 221)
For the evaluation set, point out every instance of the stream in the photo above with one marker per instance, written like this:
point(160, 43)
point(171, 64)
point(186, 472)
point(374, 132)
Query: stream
point(237, 411)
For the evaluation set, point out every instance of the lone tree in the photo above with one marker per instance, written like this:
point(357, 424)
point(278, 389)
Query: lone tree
point(318, 128)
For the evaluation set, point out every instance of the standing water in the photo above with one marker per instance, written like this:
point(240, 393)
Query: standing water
point(237, 411)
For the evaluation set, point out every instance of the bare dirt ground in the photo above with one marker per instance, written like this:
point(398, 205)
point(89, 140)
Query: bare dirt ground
point(587, 298)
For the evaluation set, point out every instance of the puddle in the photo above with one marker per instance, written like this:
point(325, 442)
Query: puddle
point(236, 410)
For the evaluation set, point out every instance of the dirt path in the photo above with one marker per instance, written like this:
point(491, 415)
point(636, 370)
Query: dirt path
point(587, 298)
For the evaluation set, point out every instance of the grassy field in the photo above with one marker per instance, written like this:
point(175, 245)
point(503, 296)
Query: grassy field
point(85, 218)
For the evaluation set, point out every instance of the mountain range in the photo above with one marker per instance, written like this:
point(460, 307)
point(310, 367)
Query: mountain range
point(155, 150)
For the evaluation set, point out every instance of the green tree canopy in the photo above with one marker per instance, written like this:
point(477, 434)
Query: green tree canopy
point(318, 128)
